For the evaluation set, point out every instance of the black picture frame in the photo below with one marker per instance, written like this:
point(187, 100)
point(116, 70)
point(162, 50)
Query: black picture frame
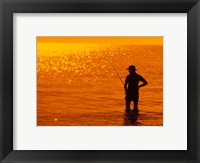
point(191, 7)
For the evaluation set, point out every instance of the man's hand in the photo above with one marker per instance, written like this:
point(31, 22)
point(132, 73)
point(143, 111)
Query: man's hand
point(143, 84)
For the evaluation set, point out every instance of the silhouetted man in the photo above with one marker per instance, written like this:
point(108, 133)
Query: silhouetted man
point(132, 92)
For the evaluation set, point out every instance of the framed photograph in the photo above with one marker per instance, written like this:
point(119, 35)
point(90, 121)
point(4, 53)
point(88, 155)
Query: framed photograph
point(99, 81)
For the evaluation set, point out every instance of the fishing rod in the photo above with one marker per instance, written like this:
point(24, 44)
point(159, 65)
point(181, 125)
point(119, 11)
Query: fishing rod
point(116, 71)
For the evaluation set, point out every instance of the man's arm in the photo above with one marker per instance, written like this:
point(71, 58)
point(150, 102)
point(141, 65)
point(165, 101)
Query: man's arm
point(144, 82)
point(125, 85)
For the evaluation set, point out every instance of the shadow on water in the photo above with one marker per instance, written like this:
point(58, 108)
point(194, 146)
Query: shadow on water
point(130, 118)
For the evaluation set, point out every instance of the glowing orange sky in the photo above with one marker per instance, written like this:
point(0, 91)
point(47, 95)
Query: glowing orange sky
point(108, 40)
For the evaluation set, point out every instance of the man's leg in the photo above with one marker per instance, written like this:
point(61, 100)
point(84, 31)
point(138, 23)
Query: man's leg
point(135, 106)
point(136, 102)
point(128, 102)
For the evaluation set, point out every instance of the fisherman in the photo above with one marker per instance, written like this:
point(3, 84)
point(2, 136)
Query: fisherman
point(131, 87)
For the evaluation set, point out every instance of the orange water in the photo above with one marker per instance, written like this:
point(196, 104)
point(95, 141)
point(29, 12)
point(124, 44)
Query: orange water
point(77, 85)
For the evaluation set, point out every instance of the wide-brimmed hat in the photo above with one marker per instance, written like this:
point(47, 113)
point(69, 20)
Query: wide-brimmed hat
point(131, 67)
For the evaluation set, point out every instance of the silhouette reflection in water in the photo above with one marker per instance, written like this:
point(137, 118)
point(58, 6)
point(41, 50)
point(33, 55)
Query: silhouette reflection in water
point(130, 118)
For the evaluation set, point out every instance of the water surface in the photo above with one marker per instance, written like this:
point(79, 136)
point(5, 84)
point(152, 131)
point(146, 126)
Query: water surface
point(77, 86)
